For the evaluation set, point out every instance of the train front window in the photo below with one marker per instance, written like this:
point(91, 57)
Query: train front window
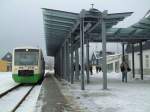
point(26, 57)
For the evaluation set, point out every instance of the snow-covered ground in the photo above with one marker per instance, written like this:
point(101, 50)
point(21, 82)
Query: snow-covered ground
point(6, 81)
point(133, 96)
point(8, 102)
point(30, 102)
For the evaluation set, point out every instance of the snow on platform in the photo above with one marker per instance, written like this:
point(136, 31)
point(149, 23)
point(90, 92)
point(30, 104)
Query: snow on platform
point(133, 96)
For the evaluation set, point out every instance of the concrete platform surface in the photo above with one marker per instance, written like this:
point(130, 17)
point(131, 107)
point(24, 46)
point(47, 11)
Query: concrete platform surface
point(51, 98)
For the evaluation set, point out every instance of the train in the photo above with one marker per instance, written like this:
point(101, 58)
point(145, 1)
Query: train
point(28, 65)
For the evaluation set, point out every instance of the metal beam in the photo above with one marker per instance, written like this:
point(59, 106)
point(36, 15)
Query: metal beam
point(141, 27)
point(58, 29)
point(94, 27)
point(75, 26)
point(119, 15)
point(59, 12)
point(132, 32)
point(57, 25)
point(48, 15)
point(145, 24)
point(118, 31)
point(58, 21)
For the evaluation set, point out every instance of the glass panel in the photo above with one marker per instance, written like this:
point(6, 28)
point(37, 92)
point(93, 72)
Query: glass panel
point(26, 57)
point(147, 61)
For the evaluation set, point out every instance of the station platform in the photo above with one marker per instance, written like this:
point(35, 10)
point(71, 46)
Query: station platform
point(51, 99)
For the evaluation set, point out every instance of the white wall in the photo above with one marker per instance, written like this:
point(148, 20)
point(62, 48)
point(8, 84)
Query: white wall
point(137, 59)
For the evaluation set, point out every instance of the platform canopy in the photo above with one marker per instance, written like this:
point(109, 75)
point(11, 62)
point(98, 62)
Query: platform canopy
point(136, 32)
point(59, 25)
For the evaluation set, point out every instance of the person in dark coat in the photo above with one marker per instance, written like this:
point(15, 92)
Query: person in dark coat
point(79, 67)
point(91, 69)
point(97, 69)
point(124, 69)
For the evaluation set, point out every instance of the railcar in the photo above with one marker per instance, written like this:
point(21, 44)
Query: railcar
point(28, 65)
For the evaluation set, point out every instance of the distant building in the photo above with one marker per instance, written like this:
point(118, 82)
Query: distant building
point(146, 57)
point(113, 60)
point(7, 57)
point(95, 59)
point(6, 63)
point(3, 66)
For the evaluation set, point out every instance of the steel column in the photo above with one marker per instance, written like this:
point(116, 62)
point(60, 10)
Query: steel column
point(72, 65)
point(67, 61)
point(54, 65)
point(71, 60)
point(77, 72)
point(65, 66)
point(61, 64)
point(87, 62)
point(123, 57)
point(103, 27)
point(141, 60)
point(133, 68)
point(82, 48)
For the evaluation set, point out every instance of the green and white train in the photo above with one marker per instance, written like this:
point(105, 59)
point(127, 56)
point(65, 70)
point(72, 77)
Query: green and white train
point(28, 65)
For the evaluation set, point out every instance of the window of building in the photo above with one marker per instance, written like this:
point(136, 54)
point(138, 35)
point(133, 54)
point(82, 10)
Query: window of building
point(147, 61)
point(117, 66)
point(110, 67)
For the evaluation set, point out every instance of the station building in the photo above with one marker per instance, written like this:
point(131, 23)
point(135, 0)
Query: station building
point(6, 62)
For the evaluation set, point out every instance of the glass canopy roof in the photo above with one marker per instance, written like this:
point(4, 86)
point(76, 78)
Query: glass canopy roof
point(59, 25)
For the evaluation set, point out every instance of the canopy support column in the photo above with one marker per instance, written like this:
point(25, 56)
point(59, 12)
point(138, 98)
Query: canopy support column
point(133, 68)
point(61, 64)
point(103, 27)
point(77, 72)
point(141, 60)
point(71, 61)
point(82, 48)
point(67, 61)
point(65, 73)
point(123, 54)
point(87, 62)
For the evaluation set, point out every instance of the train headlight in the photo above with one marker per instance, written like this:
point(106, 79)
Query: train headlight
point(35, 68)
point(26, 50)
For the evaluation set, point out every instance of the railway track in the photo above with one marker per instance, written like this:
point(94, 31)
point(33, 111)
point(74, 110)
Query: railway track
point(18, 89)
point(22, 100)
point(9, 90)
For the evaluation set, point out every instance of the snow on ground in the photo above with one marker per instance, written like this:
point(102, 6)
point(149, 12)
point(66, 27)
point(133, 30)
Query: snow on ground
point(133, 96)
point(30, 102)
point(8, 102)
point(6, 81)
point(40, 103)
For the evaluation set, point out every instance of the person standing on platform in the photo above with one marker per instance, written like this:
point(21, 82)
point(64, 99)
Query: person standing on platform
point(91, 69)
point(124, 69)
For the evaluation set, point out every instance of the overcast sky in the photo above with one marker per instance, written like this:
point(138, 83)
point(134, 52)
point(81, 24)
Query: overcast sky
point(21, 22)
